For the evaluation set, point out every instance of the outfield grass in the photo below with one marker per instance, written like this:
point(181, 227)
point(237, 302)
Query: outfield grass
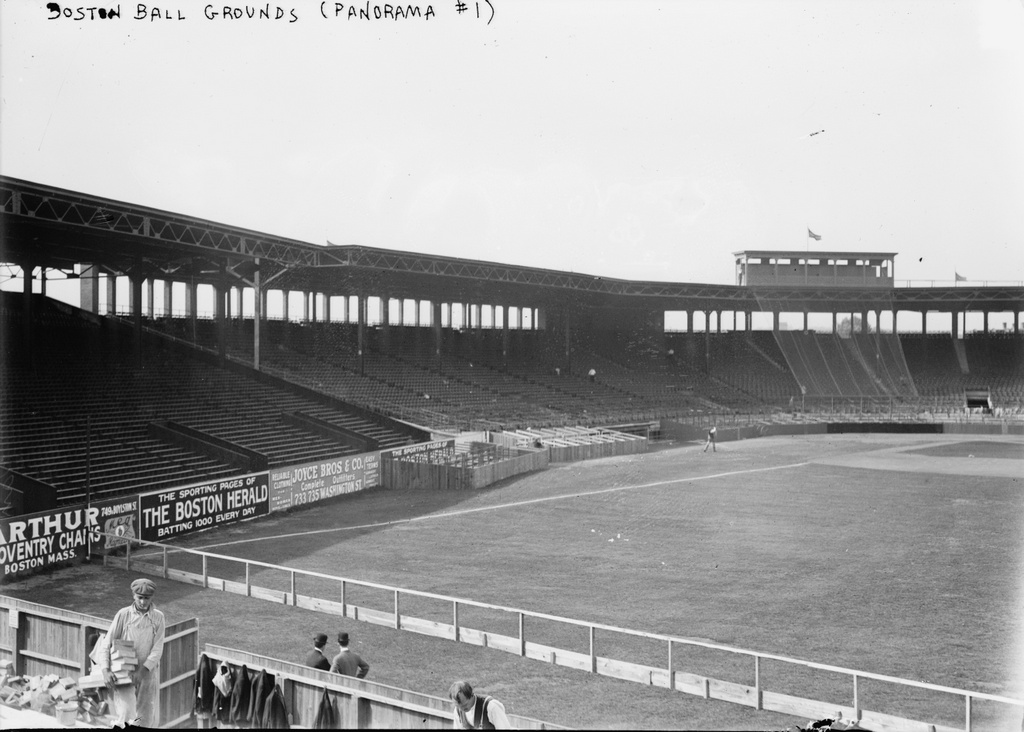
point(916, 575)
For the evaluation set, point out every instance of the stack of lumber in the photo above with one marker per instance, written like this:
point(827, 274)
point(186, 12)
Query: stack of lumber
point(50, 694)
point(123, 663)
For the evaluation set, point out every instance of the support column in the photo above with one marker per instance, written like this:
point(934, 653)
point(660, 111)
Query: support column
point(168, 299)
point(956, 324)
point(327, 307)
point(504, 335)
point(150, 305)
point(385, 316)
point(435, 313)
point(689, 321)
point(135, 303)
point(835, 322)
point(805, 321)
point(361, 329)
point(924, 322)
point(28, 312)
point(707, 341)
point(111, 294)
point(718, 321)
point(220, 296)
point(89, 282)
point(284, 305)
point(257, 315)
point(190, 306)
point(985, 320)
point(775, 321)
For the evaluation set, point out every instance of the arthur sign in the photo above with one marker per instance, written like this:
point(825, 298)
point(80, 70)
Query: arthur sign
point(178, 511)
point(40, 540)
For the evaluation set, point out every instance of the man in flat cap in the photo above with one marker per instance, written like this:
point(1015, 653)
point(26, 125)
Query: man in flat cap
point(144, 626)
point(348, 662)
point(316, 657)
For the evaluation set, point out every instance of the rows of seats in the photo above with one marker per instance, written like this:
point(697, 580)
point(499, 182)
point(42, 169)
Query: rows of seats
point(81, 418)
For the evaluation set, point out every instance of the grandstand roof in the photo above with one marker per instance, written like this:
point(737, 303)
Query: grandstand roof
point(59, 229)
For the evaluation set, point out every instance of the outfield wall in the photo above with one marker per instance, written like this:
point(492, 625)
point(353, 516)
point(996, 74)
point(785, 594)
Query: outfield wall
point(690, 433)
point(40, 541)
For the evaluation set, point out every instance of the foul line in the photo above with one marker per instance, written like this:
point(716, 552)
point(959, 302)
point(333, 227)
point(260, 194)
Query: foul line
point(449, 514)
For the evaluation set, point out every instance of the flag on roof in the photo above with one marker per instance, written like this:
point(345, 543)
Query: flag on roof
point(816, 237)
point(959, 277)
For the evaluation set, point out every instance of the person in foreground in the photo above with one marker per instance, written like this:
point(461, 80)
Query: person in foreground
point(316, 658)
point(144, 626)
point(348, 662)
point(476, 712)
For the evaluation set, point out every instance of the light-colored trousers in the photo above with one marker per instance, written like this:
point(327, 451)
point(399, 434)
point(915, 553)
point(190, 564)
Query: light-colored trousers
point(136, 703)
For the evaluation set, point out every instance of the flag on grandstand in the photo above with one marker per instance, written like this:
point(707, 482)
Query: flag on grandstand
point(816, 237)
point(959, 277)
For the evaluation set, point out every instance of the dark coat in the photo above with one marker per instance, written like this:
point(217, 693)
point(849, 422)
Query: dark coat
point(316, 659)
point(275, 714)
point(240, 696)
point(326, 714)
point(203, 688)
point(262, 686)
point(221, 703)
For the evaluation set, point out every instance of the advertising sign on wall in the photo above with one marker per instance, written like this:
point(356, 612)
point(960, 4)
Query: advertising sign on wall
point(40, 540)
point(301, 484)
point(437, 451)
point(178, 511)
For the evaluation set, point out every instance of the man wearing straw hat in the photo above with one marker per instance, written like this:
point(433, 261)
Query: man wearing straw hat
point(144, 626)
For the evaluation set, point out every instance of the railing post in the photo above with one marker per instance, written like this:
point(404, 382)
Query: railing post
point(455, 618)
point(671, 673)
point(344, 608)
point(165, 562)
point(967, 719)
point(128, 556)
point(757, 682)
point(398, 616)
point(248, 584)
point(294, 597)
point(856, 699)
point(522, 635)
point(206, 580)
point(593, 653)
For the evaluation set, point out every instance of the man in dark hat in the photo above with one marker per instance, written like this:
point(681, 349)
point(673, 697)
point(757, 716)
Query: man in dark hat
point(316, 657)
point(144, 626)
point(348, 662)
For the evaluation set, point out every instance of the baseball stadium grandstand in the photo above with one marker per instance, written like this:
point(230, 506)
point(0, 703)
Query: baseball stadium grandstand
point(201, 357)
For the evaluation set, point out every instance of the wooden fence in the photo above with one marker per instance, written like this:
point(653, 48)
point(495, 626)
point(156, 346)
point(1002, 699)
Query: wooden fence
point(40, 640)
point(667, 675)
point(359, 704)
point(571, 444)
point(463, 472)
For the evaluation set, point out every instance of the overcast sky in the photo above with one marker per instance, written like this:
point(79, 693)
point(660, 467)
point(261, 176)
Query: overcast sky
point(641, 140)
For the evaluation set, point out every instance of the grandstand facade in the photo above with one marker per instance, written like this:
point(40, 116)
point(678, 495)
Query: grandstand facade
point(390, 348)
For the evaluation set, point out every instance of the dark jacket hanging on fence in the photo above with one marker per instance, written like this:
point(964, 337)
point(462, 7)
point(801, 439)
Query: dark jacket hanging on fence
point(262, 686)
point(275, 714)
point(240, 696)
point(203, 688)
point(326, 714)
point(222, 696)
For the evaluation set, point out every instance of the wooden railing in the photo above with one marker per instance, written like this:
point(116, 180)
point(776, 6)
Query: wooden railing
point(360, 704)
point(666, 675)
